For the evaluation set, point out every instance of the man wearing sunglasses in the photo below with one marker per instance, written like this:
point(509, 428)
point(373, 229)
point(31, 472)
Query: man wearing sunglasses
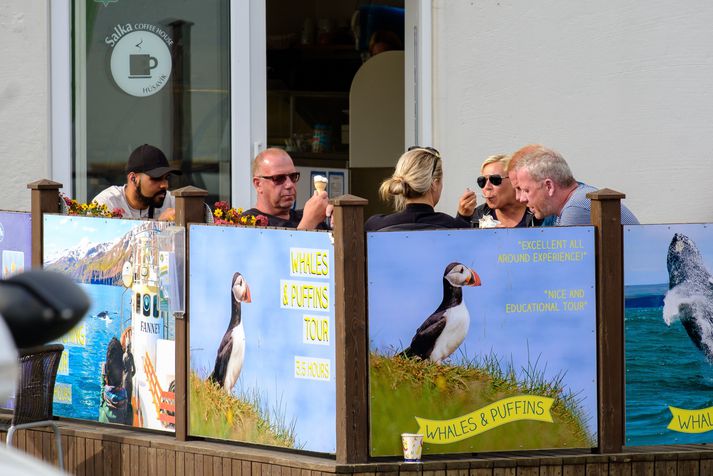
point(548, 187)
point(275, 180)
point(145, 194)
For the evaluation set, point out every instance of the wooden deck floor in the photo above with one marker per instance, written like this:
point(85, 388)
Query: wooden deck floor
point(93, 450)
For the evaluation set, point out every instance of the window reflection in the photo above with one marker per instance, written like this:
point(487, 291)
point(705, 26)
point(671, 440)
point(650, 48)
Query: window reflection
point(157, 72)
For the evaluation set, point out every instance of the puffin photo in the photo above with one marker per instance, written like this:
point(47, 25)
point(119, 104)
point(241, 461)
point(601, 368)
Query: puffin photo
point(445, 329)
point(231, 351)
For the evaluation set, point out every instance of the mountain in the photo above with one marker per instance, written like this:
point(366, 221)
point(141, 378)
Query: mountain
point(101, 263)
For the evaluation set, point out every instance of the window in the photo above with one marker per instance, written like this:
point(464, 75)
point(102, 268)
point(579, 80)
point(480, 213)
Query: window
point(211, 120)
point(157, 72)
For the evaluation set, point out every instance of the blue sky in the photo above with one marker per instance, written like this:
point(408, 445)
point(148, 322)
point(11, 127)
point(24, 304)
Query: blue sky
point(405, 272)
point(63, 232)
point(273, 335)
point(646, 248)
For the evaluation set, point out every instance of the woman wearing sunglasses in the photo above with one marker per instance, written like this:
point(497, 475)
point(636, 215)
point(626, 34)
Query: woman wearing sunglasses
point(500, 202)
point(415, 187)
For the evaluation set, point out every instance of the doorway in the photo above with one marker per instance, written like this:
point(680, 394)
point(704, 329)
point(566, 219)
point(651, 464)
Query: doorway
point(314, 49)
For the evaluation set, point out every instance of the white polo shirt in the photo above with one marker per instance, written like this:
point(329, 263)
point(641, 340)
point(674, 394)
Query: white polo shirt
point(114, 197)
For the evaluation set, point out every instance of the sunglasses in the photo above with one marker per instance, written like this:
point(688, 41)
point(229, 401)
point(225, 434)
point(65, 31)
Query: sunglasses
point(495, 179)
point(280, 179)
point(429, 149)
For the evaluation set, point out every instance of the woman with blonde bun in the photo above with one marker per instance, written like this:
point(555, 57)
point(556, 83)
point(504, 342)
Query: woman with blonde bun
point(415, 187)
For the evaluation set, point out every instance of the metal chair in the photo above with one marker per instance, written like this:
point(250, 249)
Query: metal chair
point(33, 397)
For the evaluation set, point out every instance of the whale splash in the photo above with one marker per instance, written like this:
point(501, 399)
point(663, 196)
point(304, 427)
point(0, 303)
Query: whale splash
point(676, 299)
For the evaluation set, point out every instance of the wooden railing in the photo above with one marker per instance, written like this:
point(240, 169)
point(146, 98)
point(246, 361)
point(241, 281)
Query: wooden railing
point(352, 428)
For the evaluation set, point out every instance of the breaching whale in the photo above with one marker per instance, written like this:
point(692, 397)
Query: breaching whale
point(690, 294)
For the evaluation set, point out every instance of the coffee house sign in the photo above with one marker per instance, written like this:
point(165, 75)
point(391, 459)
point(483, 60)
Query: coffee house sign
point(140, 58)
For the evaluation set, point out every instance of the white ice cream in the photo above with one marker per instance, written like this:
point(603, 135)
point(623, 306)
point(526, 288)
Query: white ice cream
point(488, 222)
point(320, 183)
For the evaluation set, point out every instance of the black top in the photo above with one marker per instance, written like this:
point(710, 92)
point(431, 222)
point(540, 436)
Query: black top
point(528, 219)
point(415, 213)
point(292, 222)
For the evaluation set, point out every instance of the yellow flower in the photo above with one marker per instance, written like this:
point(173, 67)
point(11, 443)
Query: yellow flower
point(218, 212)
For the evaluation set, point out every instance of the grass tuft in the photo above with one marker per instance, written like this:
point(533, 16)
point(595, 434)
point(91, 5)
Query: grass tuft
point(247, 417)
point(403, 388)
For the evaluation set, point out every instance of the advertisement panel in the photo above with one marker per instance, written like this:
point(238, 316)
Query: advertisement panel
point(668, 326)
point(482, 340)
point(15, 242)
point(118, 363)
point(15, 253)
point(262, 337)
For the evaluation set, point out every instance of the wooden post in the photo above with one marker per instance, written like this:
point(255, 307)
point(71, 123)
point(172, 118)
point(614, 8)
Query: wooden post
point(351, 349)
point(606, 217)
point(189, 209)
point(190, 206)
point(44, 199)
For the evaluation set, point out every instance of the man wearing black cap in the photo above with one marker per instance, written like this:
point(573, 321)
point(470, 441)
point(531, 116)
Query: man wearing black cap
point(145, 194)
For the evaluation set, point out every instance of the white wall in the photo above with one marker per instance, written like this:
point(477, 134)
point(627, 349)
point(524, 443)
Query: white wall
point(622, 88)
point(24, 96)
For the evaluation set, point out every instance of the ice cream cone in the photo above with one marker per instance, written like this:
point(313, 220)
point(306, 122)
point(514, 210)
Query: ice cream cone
point(320, 183)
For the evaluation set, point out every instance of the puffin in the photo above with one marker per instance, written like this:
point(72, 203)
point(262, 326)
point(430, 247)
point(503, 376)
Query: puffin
point(444, 330)
point(231, 352)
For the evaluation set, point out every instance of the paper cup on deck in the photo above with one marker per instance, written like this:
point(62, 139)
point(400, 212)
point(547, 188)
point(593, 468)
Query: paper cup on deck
point(412, 444)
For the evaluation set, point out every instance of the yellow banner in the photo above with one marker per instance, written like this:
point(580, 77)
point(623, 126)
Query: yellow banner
point(507, 410)
point(691, 421)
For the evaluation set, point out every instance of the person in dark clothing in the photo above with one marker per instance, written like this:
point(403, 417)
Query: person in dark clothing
point(128, 380)
point(112, 408)
point(275, 178)
point(500, 202)
point(415, 187)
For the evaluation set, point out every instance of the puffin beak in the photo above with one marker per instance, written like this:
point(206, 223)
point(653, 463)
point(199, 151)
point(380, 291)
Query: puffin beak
point(473, 279)
point(247, 298)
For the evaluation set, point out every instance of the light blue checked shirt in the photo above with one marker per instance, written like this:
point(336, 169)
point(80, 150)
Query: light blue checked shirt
point(577, 210)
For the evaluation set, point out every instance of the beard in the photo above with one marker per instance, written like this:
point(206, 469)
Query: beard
point(155, 200)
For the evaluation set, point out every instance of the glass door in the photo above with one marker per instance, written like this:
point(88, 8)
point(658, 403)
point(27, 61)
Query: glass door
point(206, 108)
point(156, 72)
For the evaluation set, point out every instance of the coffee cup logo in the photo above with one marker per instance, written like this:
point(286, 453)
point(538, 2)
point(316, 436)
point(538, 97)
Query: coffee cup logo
point(140, 61)
point(140, 66)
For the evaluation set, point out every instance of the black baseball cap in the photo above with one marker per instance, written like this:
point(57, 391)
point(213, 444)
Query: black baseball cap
point(151, 161)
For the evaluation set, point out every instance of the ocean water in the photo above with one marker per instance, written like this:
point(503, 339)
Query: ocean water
point(663, 368)
point(85, 361)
